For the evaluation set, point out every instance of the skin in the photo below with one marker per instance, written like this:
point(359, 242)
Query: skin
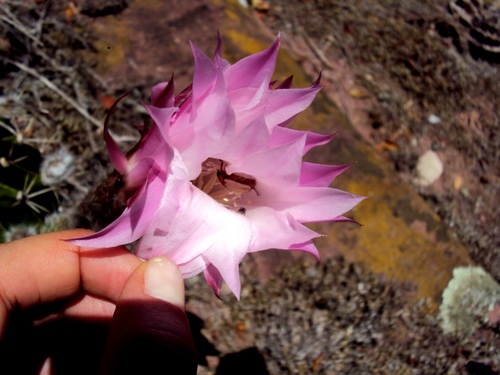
point(45, 280)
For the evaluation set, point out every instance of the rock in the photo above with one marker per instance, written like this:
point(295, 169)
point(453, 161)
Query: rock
point(494, 315)
point(102, 8)
point(433, 119)
point(470, 299)
point(16, 232)
point(57, 167)
point(429, 168)
point(358, 93)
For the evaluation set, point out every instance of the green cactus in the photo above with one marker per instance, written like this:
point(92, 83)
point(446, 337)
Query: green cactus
point(23, 198)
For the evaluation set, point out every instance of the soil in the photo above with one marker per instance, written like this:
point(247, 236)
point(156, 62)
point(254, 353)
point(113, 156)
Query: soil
point(389, 65)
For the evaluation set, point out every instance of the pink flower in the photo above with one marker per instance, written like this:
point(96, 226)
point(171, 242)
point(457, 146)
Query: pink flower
point(219, 175)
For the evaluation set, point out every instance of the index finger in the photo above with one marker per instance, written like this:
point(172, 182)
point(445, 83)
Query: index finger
point(44, 268)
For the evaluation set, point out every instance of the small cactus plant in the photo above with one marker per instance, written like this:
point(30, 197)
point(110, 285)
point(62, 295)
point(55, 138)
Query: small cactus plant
point(23, 197)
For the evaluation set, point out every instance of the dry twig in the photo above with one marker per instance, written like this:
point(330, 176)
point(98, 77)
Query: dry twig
point(81, 101)
point(58, 91)
point(12, 20)
point(318, 52)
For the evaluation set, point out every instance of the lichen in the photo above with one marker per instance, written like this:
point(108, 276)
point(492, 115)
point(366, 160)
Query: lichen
point(466, 300)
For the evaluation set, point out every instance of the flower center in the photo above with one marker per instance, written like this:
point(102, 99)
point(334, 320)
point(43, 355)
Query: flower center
point(230, 190)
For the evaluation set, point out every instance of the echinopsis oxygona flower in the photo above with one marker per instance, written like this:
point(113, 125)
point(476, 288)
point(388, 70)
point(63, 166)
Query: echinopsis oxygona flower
point(218, 174)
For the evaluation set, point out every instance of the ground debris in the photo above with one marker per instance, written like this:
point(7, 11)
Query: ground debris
point(49, 87)
point(337, 318)
point(416, 58)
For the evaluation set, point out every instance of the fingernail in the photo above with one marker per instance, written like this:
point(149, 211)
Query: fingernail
point(163, 281)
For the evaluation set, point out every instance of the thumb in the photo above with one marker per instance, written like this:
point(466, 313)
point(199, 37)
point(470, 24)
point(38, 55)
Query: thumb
point(150, 332)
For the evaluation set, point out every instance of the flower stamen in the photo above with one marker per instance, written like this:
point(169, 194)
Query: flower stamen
point(226, 189)
point(236, 181)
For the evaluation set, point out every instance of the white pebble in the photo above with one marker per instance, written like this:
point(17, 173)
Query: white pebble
point(433, 119)
point(429, 168)
point(57, 167)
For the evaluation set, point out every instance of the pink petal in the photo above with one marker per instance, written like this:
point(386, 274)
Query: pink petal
point(317, 82)
point(311, 204)
point(193, 267)
point(207, 135)
point(320, 174)
point(284, 104)
point(280, 136)
point(253, 70)
point(315, 140)
point(161, 116)
point(193, 228)
point(249, 98)
point(251, 139)
point(218, 48)
point(205, 74)
point(183, 95)
point(228, 269)
point(218, 61)
point(132, 223)
point(286, 84)
point(194, 232)
point(119, 160)
point(277, 230)
point(139, 174)
point(308, 247)
point(279, 166)
point(343, 219)
point(162, 95)
point(152, 142)
point(214, 279)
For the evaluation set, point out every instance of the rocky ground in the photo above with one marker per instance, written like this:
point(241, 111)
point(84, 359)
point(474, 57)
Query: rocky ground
point(334, 319)
point(411, 76)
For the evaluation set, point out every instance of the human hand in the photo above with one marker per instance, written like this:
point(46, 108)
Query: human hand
point(45, 280)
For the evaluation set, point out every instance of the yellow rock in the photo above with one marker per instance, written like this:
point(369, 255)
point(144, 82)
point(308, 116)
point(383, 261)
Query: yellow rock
point(358, 93)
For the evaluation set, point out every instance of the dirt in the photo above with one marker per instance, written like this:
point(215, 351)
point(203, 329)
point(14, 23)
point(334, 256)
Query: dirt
point(333, 319)
point(389, 65)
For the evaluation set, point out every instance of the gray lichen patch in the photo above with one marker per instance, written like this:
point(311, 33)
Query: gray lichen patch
point(467, 300)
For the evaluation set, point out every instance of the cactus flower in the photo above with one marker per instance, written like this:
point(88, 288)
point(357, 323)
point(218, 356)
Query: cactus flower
point(219, 175)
